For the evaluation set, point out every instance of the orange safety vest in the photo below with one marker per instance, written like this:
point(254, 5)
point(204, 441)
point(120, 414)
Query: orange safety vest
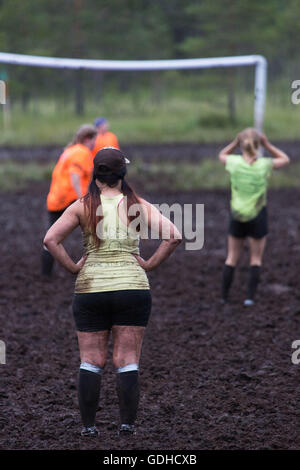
point(108, 139)
point(75, 159)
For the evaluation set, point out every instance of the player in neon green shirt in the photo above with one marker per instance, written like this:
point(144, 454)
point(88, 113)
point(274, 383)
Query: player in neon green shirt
point(249, 177)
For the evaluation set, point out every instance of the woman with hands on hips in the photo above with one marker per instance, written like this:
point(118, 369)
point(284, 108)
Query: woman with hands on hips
point(112, 292)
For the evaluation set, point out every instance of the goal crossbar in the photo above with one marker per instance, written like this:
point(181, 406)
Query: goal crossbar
point(258, 61)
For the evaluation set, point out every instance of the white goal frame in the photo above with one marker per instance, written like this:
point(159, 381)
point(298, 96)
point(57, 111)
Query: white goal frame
point(258, 61)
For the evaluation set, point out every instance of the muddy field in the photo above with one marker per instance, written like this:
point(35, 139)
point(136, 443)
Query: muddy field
point(211, 377)
point(145, 152)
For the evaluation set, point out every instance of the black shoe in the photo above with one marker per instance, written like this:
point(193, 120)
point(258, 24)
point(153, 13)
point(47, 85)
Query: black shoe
point(90, 431)
point(127, 430)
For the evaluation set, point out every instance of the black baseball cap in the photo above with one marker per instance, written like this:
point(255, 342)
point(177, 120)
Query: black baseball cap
point(110, 160)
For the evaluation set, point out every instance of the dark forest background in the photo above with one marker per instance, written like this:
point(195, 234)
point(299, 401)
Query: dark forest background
point(143, 30)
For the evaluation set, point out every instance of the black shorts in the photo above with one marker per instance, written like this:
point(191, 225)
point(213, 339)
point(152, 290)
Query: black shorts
point(101, 310)
point(255, 228)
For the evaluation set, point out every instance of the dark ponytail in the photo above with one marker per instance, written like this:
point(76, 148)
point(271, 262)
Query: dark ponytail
point(129, 192)
point(132, 198)
point(91, 202)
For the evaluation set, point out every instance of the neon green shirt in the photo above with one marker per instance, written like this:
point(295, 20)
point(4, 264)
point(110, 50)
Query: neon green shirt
point(248, 186)
point(111, 266)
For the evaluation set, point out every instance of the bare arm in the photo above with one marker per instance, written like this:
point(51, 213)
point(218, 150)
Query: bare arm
point(75, 178)
point(167, 231)
point(228, 150)
point(280, 158)
point(58, 232)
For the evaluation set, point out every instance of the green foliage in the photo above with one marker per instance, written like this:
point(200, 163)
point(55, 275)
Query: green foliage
point(214, 120)
point(145, 29)
point(229, 28)
point(180, 116)
point(15, 175)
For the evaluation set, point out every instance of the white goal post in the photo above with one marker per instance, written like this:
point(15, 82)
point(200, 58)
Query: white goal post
point(258, 61)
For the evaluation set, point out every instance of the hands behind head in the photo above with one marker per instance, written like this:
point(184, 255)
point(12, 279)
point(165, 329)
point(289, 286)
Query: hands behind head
point(263, 139)
point(236, 141)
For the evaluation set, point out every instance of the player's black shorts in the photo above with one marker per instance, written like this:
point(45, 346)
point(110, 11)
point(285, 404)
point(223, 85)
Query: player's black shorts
point(255, 228)
point(101, 310)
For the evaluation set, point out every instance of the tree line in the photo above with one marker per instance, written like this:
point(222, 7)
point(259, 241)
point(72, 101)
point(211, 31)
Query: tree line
point(142, 29)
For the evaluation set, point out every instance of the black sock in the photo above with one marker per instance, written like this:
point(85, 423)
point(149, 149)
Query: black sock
point(88, 395)
point(228, 274)
point(254, 272)
point(129, 393)
point(47, 263)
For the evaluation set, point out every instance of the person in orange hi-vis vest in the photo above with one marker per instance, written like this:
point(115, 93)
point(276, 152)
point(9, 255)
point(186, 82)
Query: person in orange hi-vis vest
point(70, 180)
point(105, 138)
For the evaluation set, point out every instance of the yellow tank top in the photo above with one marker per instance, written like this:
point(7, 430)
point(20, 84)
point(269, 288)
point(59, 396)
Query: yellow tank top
point(111, 266)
